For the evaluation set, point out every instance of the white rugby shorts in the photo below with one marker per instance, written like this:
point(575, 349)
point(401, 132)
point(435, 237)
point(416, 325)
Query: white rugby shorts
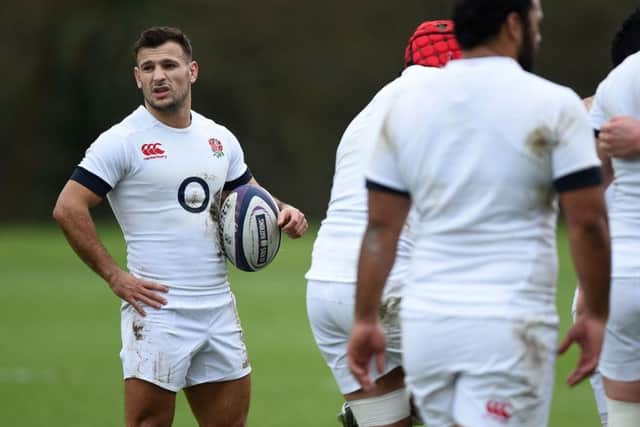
point(179, 347)
point(620, 358)
point(479, 372)
point(330, 307)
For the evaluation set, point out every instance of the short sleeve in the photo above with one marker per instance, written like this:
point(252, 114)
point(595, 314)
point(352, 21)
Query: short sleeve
point(383, 171)
point(574, 154)
point(597, 114)
point(238, 172)
point(617, 93)
point(104, 164)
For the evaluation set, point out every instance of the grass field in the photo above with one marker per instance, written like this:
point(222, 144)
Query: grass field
point(59, 363)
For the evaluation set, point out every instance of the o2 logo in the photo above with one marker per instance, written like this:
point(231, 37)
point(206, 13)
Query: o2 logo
point(194, 194)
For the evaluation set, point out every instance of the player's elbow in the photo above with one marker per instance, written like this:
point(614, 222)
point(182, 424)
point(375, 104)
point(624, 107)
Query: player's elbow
point(58, 212)
point(589, 226)
point(592, 220)
point(61, 210)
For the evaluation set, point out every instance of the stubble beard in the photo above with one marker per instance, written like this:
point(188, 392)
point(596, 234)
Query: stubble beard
point(527, 52)
point(175, 105)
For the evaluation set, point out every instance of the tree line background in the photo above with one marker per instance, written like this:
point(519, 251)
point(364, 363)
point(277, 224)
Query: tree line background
point(285, 76)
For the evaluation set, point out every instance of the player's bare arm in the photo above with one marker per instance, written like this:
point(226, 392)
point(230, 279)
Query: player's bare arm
point(607, 178)
point(72, 212)
point(589, 241)
point(620, 137)
point(387, 215)
point(291, 220)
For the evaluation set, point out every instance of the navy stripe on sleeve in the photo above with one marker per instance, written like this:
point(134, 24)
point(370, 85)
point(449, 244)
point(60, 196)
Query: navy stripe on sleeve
point(379, 187)
point(574, 181)
point(244, 179)
point(90, 180)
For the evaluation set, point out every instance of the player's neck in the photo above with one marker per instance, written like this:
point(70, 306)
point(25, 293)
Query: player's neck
point(487, 50)
point(178, 119)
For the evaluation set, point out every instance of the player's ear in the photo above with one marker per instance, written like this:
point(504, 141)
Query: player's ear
point(193, 71)
point(514, 28)
point(136, 75)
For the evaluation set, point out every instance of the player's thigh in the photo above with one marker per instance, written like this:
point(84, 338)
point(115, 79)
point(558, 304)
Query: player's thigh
point(623, 391)
point(620, 359)
point(428, 377)
point(156, 348)
point(514, 383)
point(330, 312)
point(147, 404)
point(220, 404)
point(330, 309)
point(479, 372)
point(222, 353)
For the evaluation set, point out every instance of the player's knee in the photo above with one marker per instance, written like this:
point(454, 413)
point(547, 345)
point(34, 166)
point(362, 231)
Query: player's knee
point(623, 414)
point(151, 421)
point(382, 410)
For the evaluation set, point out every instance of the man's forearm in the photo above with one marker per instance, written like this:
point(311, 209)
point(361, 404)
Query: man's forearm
point(590, 248)
point(81, 233)
point(377, 256)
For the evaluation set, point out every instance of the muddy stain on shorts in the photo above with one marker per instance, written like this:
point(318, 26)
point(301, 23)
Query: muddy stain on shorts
point(535, 350)
point(137, 328)
point(389, 312)
point(162, 369)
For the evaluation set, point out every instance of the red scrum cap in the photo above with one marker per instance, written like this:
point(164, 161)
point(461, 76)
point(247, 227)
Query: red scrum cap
point(433, 44)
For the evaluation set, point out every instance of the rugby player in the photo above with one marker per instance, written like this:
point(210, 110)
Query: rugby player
point(332, 276)
point(164, 168)
point(621, 140)
point(615, 113)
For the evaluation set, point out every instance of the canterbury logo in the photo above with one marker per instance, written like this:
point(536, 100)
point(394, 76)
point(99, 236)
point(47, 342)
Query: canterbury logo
point(499, 410)
point(153, 149)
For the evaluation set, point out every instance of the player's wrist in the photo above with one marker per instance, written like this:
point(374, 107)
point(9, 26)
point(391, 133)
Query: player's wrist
point(111, 276)
point(598, 313)
point(366, 317)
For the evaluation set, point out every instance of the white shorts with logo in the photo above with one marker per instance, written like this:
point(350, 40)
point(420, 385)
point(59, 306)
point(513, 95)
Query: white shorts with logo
point(330, 307)
point(620, 358)
point(179, 347)
point(479, 372)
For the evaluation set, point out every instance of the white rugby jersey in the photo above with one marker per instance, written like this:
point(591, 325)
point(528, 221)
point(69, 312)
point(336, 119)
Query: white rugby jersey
point(161, 183)
point(479, 149)
point(619, 95)
point(337, 246)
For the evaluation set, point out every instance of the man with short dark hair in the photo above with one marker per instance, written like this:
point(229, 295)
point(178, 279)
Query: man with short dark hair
point(165, 169)
point(484, 167)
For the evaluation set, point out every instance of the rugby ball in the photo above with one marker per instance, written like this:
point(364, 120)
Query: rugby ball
point(249, 231)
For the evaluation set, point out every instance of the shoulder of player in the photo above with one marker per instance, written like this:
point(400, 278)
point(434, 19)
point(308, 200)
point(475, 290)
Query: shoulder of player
point(415, 91)
point(622, 77)
point(549, 94)
point(120, 132)
point(215, 129)
point(375, 111)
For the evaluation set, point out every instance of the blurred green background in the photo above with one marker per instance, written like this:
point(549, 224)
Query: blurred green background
point(59, 364)
point(285, 76)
